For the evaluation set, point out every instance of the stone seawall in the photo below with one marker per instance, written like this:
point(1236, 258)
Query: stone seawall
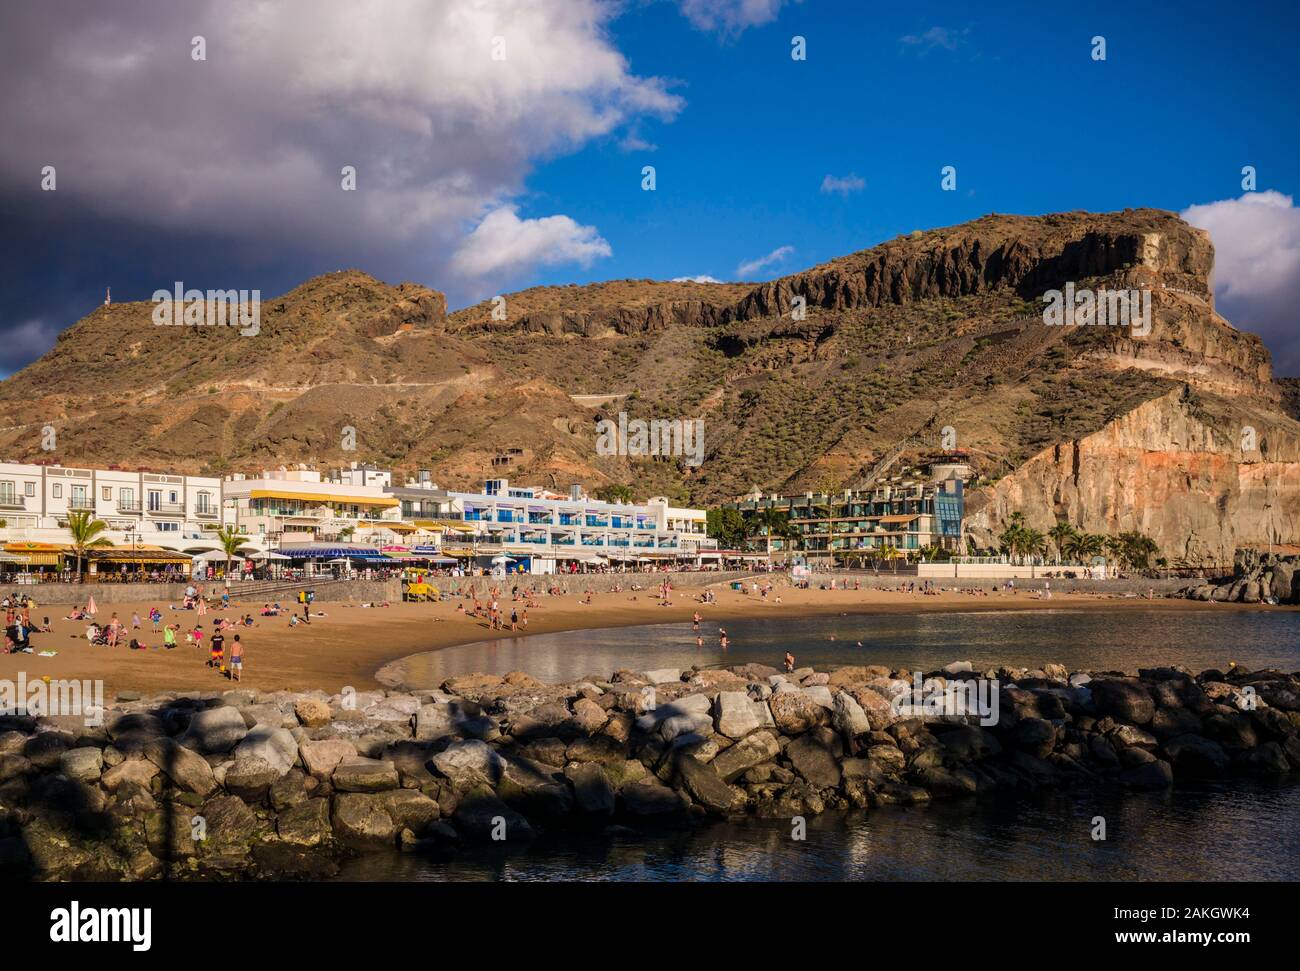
point(327, 591)
point(240, 784)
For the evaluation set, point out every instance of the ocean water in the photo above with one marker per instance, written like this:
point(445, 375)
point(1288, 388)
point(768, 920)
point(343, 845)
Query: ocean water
point(1222, 831)
point(1119, 640)
point(1239, 830)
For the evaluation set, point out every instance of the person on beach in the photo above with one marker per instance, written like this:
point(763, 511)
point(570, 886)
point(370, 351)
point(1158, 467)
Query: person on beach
point(722, 638)
point(217, 658)
point(695, 621)
point(236, 659)
point(169, 637)
point(789, 662)
point(524, 619)
point(514, 619)
point(155, 615)
point(197, 635)
point(135, 621)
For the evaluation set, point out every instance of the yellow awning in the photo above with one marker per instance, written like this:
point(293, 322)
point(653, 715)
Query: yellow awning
point(443, 524)
point(323, 499)
point(395, 527)
point(136, 556)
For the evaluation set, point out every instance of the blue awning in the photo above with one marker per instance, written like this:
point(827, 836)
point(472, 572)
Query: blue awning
point(330, 552)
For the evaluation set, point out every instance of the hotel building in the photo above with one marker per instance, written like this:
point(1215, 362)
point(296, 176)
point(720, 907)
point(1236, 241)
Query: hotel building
point(906, 512)
point(145, 512)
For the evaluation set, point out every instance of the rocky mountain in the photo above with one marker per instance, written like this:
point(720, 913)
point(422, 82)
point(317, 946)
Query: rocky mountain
point(802, 382)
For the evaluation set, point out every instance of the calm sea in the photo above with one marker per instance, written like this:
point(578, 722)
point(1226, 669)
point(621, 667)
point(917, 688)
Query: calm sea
point(1240, 830)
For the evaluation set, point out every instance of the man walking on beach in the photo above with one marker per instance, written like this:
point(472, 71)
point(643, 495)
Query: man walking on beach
point(236, 659)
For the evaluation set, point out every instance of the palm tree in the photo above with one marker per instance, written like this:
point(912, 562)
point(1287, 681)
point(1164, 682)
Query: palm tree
point(230, 541)
point(890, 554)
point(1060, 534)
point(85, 533)
point(1032, 541)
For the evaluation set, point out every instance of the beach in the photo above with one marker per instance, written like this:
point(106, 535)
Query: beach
point(350, 643)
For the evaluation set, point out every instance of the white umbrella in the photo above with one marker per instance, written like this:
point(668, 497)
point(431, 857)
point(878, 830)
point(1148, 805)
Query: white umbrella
point(216, 556)
point(502, 558)
point(270, 556)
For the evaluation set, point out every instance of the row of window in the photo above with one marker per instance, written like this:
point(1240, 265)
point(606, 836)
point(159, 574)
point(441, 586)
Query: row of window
point(126, 495)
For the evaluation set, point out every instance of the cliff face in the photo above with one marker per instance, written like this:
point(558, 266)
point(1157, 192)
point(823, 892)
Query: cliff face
point(1173, 468)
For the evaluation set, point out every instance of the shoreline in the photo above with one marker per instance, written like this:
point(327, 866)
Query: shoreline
point(363, 647)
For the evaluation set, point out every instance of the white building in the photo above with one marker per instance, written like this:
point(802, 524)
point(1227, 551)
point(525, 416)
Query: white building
point(285, 506)
point(141, 509)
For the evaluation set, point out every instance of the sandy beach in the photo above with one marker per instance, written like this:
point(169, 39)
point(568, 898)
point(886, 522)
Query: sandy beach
point(350, 643)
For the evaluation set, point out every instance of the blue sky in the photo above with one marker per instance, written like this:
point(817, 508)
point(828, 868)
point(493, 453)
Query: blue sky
point(480, 175)
point(1011, 97)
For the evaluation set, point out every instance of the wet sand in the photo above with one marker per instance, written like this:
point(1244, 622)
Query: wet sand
point(351, 643)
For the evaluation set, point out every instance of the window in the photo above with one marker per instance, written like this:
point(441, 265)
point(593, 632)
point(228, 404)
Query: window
point(58, 490)
point(171, 497)
point(79, 497)
point(126, 497)
point(7, 491)
point(107, 493)
point(169, 527)
point(29, 488)
point(155, 500)
point(204, 502)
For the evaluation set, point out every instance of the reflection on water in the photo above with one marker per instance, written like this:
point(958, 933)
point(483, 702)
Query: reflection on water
point(1093, 639)
point(1231, 831)
point(1213, 832)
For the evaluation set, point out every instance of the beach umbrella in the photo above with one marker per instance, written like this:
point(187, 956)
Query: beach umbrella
point(502, 558)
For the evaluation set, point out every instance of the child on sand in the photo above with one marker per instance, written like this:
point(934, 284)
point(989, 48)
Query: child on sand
point(236, 659)
point(217, 659)
point(169, 637)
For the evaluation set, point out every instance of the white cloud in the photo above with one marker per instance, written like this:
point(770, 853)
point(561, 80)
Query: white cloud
point(26, 341)
point(702, 278)
point(1257, 267)
point(730, 16)
point(843, 184)
point(504, 243)
point(935, 38)
point(748, 269)
point(248, 144)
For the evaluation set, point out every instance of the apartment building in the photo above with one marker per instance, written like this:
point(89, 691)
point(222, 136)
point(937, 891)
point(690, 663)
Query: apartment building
point(175, 512)
point(300, 505)
point(541, 531)
point(905, 513)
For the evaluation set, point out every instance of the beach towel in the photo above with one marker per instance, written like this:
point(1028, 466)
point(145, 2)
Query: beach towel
point(48, 653)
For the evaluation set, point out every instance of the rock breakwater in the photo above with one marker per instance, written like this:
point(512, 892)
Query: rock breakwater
point(241, 784)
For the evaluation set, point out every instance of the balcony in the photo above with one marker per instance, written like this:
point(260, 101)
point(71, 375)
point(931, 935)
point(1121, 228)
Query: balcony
point(166, 509)
point(206, 513)
point(129, 505)
point(9, 500)
point(81, 505)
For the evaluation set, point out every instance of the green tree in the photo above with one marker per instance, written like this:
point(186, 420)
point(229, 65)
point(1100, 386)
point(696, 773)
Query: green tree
point(85, 531)
point(231, 541)
point(1061, 534)
point(727, 526)
point(615, 493)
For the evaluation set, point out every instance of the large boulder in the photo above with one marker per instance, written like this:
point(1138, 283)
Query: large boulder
point(814, 761)
point(848, 717)
point(312, 712)
point(752, 750)
point(795, 712)
point(363, 817)
point(359, 774)
point(187, 770)
point(306, 824)
point(82, 764)
point(706, 787)
point(275, 746)
point(481, 814)
point(1124, 699)
point(470, 763)
point(217, 729)
point(250, 778)
point(736, 714)
point(1195, 755)
point(591, 787)
point(320, 757)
